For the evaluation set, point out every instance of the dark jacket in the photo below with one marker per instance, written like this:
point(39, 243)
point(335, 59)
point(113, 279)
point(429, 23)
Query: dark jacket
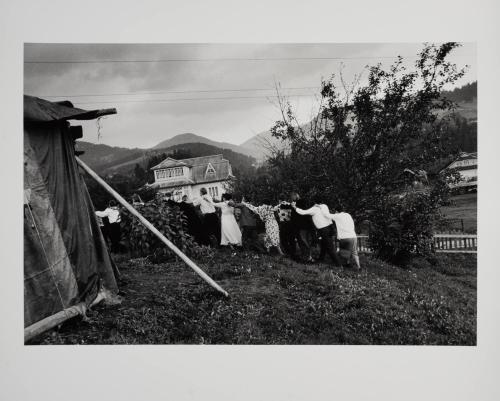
point(300, 222)
point(247, 217)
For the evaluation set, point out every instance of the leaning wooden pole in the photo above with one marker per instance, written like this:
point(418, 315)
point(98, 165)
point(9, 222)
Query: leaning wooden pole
point(148, 225)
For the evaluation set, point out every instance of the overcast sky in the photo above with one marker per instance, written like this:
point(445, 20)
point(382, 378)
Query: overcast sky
point(187, 90)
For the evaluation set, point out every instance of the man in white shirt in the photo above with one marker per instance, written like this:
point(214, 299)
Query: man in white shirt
point(113, 215)
point(325, 228)
point(348, 240)
point(211, 222)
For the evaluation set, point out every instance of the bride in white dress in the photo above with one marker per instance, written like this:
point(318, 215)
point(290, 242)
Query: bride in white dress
point(230, 231)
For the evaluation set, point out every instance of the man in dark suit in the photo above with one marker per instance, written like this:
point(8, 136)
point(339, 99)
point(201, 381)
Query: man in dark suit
point(248, 224)
point(194, 223)
point(302, 229)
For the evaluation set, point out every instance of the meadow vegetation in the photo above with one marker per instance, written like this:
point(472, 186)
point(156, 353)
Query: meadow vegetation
point(277, 301)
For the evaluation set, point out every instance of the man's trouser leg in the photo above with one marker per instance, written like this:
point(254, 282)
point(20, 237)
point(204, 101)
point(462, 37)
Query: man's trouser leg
point(328, 244)
point(349, 251)
point(303, 241)
point(115, 237)
point(254, 239)
point(212, 226)
point(287, 238)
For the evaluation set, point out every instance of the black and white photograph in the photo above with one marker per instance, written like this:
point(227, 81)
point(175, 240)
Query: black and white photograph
point(250, 193)
point(249, 201)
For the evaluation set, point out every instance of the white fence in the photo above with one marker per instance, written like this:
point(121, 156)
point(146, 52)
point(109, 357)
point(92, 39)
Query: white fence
point(455, 243)
point(446, 243)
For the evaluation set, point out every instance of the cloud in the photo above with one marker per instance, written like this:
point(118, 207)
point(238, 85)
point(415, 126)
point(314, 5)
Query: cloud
point(142, 122)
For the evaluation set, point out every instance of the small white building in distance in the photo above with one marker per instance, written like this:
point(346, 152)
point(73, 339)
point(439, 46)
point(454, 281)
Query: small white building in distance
point(187, 176)
point(466, 165)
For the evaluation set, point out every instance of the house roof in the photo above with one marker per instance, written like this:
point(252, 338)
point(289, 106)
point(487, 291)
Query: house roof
point(169, 162)
point(199, 165)
point(222, 172)
point(194, 161)
point(41, 110)
point(463, 156)
point(466, 156)
point(191, 162)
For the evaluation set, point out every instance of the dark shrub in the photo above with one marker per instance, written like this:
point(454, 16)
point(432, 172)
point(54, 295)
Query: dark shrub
point(171, 222)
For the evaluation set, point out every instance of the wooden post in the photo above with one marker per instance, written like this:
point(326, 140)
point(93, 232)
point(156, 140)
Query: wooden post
point(54, 320)
point(148, 225)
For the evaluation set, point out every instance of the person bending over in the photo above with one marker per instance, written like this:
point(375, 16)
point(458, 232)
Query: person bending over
point(325, 228)
point(348, 240)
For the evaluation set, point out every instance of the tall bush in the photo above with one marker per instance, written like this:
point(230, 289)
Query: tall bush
point(171, 222)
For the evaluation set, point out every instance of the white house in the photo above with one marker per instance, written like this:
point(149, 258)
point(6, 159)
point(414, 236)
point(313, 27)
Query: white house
point(466, 165)
point(187, 176)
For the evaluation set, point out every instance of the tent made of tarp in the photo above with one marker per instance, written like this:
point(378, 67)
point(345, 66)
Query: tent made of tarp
point(66, 260)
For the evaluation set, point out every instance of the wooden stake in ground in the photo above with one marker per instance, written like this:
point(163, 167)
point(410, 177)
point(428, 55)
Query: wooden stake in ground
point(148, 225)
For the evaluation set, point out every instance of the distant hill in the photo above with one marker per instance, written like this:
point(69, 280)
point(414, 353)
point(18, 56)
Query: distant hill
point(466, 99)
point(261, 144)
point(464, 94)
point(101, 157)
point(107, 160)
point(193, 138)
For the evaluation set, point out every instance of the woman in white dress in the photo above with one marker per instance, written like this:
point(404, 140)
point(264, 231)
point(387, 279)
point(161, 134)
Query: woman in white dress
point(230, 231)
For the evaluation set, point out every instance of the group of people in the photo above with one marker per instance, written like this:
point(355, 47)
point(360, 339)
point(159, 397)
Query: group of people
point(289, 227)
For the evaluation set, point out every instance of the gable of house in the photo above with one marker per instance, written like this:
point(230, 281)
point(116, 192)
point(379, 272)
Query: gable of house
point(168, 162)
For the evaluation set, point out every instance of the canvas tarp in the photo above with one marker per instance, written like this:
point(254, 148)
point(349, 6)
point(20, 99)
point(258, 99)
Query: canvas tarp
point(66, 261)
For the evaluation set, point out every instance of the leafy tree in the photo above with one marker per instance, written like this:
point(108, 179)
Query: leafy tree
point(261, 185)
point(139, 173)
point(356, 154)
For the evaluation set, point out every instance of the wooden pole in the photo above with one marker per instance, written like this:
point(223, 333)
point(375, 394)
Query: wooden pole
point(54, 320)
point(148, 225)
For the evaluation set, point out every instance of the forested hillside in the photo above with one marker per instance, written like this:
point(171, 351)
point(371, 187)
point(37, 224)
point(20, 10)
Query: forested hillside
point(466, 93)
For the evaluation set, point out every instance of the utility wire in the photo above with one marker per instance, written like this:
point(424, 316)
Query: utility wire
point(178, 92)
point(192, 99)
point(210, 60)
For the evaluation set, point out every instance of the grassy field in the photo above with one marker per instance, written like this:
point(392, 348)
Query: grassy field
point(277, 301)
point(463, 207)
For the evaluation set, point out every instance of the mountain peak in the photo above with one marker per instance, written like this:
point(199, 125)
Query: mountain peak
point(189, 137)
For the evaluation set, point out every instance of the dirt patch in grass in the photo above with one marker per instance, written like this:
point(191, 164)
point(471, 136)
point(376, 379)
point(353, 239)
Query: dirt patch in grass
point(277, 301)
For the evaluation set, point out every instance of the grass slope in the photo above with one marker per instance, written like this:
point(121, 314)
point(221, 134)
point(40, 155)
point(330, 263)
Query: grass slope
point(277, 301)
point(462, 207)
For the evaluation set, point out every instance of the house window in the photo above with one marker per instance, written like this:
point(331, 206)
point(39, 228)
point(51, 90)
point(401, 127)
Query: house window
point(175, 172)
point(161, 174)
point(214, 192)
point(169, 173)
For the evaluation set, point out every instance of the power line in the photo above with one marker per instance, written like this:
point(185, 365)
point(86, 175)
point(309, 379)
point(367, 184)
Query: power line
point(211, 60)
point(191, 99)
point(177, 92)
